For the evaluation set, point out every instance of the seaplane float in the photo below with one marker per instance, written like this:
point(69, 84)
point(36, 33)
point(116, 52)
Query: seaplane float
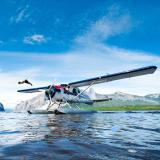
point(68, 94)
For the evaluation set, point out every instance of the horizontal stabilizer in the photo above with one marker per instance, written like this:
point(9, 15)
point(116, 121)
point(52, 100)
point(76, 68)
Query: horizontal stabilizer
point(102, 100)
point(115, 76)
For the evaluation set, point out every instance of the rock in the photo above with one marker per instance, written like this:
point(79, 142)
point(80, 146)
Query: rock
point(34, 103)
point(1, 107)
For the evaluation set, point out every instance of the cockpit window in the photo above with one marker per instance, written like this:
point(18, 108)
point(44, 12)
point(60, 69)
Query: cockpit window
point(78, 90)
point(74, 91)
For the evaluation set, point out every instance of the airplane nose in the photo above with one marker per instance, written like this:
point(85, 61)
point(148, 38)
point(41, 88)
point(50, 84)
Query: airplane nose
point(50, 93)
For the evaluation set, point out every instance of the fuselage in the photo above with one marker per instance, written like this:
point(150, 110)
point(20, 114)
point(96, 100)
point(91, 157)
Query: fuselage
point(71, 95)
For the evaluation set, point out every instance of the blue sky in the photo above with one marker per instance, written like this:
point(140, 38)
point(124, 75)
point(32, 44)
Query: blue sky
point(60, 22)
point(63, 41)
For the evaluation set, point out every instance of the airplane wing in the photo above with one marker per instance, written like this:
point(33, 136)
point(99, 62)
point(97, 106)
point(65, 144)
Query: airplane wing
point(33, 90)
point(100, 79)
point(115, 76)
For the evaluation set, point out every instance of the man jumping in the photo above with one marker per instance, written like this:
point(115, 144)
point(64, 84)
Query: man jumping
point(25, 81)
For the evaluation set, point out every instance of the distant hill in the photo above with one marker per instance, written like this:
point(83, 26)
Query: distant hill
point(118, 99)
point(155, 97)
point(1, 107)
point(124, 99)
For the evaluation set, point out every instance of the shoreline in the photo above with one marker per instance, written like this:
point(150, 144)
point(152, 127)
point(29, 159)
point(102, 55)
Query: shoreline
point(124, 108)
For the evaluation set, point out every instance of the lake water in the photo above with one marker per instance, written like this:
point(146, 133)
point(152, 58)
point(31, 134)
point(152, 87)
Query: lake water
point(97, 136)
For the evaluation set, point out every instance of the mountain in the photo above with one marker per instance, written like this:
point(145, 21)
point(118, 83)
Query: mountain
point(155, 97)
point(124, 99)
point(1, 107)
point(118, 99)
point(33, 103)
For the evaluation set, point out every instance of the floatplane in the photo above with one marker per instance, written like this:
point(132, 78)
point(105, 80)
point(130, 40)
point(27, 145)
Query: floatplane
point(62, 95)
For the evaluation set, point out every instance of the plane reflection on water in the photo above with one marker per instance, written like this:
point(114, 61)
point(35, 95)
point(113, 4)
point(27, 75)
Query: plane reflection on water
point(50, 127)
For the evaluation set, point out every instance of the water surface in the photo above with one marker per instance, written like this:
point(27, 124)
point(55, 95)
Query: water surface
point(97, 136)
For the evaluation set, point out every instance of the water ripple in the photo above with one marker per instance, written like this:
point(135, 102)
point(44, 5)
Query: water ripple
point(91, 136)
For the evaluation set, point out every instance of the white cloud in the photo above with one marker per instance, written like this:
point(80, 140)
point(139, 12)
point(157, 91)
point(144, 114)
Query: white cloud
point(35, 38)
point(111, 24)
point(138, 56)
point(21, 15)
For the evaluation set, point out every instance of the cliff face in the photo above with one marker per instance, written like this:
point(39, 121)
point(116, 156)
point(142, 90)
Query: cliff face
point(1, 107)
point(34, 103)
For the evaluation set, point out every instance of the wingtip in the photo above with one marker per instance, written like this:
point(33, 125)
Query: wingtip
point(155, 68)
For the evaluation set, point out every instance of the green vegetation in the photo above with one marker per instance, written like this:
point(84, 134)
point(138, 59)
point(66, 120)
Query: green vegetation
point(123, 108)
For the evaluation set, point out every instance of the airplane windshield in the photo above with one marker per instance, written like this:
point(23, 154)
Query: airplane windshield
point(76, 91)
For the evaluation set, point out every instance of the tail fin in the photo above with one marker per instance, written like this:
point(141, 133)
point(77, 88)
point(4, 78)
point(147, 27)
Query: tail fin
point(92, 93)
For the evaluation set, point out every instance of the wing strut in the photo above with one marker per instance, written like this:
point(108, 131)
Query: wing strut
point(85, 89)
